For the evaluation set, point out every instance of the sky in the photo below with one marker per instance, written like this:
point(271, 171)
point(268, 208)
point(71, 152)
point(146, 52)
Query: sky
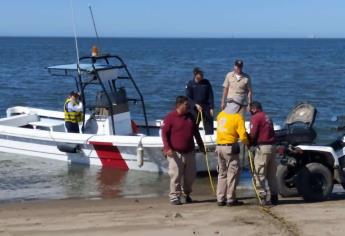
point(175, 18)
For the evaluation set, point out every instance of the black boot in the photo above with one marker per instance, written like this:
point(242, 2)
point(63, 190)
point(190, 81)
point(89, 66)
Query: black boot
point(234, 203)
point(274, 200)
point(188, 199)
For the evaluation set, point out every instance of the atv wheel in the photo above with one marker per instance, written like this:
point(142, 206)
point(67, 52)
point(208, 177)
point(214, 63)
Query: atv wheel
point(286, 182)
point(315, 182)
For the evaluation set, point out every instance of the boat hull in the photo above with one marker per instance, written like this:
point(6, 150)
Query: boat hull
point(106, 151)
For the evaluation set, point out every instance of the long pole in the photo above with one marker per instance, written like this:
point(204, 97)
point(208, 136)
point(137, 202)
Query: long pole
point(75, 35)
point(94, 27)
point(78, 66)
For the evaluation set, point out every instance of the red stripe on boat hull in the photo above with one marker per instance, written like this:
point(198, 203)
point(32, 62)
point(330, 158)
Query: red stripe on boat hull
point(109, 155)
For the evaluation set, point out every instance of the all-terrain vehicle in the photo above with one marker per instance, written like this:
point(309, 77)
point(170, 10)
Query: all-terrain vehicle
point(306, 169)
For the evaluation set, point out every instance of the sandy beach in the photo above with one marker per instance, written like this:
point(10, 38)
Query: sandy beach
point(155, 216)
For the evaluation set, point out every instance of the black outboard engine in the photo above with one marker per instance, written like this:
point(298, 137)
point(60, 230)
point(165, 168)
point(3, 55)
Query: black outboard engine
point(299, 126)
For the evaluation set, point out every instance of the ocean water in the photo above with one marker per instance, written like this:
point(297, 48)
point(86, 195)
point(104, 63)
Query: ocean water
point(284, 72)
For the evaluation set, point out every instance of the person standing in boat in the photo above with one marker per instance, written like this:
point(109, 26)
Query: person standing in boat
point(178, 132)
point(237, 83)
point(230, 129)
point(73, 113)
point(200, 94)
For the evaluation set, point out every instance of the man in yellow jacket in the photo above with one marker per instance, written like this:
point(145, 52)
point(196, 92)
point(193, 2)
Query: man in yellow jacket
point(73, 113)
point(230, 129)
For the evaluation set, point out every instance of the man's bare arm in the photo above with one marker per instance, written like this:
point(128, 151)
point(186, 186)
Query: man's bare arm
point(224, 96)
point(250, 95)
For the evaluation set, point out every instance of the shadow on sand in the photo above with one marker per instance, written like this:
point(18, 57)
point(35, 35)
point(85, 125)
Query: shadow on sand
point(282, 201)
point(299, 200)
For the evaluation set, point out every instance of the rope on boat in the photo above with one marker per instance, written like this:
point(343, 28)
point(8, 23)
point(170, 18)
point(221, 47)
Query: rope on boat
point(200, 116)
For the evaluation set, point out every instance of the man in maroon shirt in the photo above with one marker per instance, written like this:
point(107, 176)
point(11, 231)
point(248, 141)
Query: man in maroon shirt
point(178, 132)
point(262, 136)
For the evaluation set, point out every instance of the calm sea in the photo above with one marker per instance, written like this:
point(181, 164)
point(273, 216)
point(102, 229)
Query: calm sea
point(284, 72)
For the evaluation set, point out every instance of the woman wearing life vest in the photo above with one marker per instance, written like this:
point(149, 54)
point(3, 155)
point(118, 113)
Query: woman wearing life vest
point(73, 112)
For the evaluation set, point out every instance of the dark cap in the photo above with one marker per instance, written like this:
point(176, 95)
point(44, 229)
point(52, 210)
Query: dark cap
point(197, 70)
point(73, 93)
point(239, 63)
point(256, 104)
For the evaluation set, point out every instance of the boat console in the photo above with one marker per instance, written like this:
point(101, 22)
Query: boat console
point(100, 121)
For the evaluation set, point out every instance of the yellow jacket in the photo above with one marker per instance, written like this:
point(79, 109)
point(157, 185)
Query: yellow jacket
point(72, 116)
point(230, 128)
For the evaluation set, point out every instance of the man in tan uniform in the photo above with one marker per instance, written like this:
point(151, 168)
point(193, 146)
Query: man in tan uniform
point(230, 128)
point(237, 84)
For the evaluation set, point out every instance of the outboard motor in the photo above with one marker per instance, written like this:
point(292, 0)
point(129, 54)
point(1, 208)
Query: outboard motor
point(299, 126)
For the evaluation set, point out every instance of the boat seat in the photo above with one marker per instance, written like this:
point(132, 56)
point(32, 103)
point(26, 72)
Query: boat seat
point(52, 125)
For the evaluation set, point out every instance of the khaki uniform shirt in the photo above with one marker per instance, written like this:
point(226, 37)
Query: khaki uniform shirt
point(237, 87)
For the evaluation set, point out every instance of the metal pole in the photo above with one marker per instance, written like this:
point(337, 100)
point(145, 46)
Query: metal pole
point(78, 67)
point(95, 28)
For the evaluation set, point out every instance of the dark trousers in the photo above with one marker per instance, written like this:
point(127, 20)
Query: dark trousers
point(207, 118)
point(72, 127)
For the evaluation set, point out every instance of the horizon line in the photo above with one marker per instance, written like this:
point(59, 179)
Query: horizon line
point(169, 37)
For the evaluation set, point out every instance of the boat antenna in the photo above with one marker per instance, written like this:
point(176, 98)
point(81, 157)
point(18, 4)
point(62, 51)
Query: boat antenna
point(75, 36)
point(94, 27)
point(78, 78)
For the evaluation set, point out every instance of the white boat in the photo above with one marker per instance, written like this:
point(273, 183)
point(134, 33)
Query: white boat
point(107, 137)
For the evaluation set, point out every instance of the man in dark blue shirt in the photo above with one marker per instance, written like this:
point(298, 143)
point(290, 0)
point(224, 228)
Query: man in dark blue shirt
point(200, 94)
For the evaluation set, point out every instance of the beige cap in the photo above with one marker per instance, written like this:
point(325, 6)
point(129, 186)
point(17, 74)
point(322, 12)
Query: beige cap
point(234, 105)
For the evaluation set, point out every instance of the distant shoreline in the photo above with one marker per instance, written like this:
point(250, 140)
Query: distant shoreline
point(183, 38)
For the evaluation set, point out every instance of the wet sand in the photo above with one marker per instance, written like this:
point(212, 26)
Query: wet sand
point(155, 216)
